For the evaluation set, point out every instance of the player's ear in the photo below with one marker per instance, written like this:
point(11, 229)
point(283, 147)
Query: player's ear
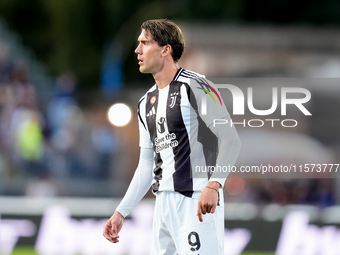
point(166, 50)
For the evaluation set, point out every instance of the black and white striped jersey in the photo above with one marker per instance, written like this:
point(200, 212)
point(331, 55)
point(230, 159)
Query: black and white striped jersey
point(177, 123)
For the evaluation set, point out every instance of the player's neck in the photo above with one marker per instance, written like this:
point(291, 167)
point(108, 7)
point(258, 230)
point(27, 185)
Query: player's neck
point(166, 75)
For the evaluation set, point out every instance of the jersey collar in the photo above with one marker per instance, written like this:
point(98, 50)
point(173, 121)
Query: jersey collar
point(179, 71)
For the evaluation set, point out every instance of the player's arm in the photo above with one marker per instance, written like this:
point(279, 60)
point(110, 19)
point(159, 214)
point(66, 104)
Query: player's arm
point(138, 187)
point(229, 143)
point(229, 146)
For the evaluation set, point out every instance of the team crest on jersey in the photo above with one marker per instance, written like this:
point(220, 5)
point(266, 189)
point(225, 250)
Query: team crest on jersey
point(173, 97)
point(153, 100)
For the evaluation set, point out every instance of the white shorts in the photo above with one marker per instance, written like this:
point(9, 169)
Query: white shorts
point(177, 230)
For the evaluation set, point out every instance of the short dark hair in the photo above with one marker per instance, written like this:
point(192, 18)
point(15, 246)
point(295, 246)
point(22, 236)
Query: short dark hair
point(164, 32)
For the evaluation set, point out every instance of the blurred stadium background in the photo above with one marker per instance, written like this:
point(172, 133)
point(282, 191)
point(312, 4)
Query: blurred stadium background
point(64, 167)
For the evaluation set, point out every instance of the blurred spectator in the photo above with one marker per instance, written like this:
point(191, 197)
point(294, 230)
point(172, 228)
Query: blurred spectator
point(62, 100)
point(71, 134)
point(79, 154)
point(105, 145)
point(26, 125)
point(4, 64)
point(5, 105)
point(63, 116)
point(28, 140)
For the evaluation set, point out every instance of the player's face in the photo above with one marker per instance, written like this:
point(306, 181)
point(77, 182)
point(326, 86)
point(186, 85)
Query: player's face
point(149, 54)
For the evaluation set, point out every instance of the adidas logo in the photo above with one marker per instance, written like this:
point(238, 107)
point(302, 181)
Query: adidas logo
point(151, 112)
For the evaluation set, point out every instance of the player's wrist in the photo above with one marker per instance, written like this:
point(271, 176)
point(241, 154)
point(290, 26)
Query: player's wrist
point(214, 184)
point(119, 214)
point(218, 193)
point(211, 188)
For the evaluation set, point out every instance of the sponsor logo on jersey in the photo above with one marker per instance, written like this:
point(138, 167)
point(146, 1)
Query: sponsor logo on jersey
point(161, 125)
point(151, 112)
point(165, 142)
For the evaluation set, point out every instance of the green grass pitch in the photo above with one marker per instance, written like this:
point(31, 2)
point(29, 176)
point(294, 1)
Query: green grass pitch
point(24, 251)
point(30, 251)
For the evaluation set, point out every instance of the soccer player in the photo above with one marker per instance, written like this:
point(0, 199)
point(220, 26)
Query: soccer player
point(179, 140)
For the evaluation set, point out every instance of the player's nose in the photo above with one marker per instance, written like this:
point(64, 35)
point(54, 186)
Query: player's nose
point(138, 50)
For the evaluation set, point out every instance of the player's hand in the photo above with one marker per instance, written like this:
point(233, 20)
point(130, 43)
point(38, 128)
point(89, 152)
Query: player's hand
point(112, 227)
point(208, 200)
